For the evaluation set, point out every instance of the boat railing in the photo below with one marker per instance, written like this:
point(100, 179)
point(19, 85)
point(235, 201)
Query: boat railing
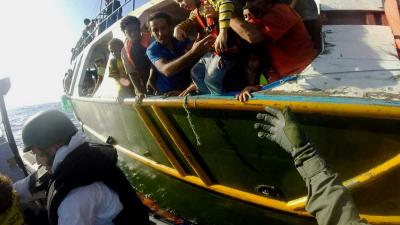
point(102, 21)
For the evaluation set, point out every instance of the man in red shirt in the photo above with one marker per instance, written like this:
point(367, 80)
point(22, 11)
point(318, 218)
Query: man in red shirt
point(282, 30)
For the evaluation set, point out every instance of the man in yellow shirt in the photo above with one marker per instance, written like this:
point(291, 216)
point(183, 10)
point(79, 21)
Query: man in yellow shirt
point(100, 68)
point(117, 70)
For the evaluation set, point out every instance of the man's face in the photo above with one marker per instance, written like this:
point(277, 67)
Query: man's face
point(132, 32)
point(257, 7)
point(44, 157)
point(161, 31)
point(115, 50)
point(187, 4)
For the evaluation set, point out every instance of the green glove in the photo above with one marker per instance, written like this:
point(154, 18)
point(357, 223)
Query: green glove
point(281, 128)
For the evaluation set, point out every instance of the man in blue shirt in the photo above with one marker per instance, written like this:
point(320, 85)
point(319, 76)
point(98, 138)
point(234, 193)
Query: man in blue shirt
point(172, 58)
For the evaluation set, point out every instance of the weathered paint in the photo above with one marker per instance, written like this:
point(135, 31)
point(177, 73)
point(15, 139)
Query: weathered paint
point(239, 161)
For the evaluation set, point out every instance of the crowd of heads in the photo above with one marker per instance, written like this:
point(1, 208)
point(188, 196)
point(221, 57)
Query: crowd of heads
point(111, 12)
point(228, 62)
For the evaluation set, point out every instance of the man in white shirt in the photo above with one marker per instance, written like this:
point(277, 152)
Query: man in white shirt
point(86, 186)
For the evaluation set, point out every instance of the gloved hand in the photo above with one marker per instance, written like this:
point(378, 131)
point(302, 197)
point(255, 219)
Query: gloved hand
point(281, 128)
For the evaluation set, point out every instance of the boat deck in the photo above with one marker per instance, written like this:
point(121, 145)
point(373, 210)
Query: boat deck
point(357, 61)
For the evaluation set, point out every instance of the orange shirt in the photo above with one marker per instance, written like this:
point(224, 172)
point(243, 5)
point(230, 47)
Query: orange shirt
point(290, 46)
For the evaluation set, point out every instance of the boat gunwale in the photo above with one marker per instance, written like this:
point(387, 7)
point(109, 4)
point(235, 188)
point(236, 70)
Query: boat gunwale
point(333, 106)
point(238, 194)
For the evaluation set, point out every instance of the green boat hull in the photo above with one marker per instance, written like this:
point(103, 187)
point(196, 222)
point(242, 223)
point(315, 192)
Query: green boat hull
point(232, 156)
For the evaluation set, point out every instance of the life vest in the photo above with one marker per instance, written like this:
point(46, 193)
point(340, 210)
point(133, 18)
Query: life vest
point(93, 163)
point(210, 27)
point(144, 41)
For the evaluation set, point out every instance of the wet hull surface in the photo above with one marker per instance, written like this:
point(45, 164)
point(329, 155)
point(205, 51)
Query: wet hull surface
point(216, 182)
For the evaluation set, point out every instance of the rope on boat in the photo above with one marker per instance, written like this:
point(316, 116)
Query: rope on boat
point(189, 118)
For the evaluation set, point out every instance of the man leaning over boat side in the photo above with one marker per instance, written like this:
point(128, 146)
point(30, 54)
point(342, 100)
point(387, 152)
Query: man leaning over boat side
point(133, 55)
point(172, 58)
point(86, 185)
point(328, 200)
point(282, 32)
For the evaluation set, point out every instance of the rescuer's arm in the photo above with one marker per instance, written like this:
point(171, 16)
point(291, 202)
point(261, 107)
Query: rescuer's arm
point(248, 32)
point(33, 186)
point(328, 200)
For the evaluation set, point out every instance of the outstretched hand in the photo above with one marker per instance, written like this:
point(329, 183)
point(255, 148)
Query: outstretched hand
point(139, 98)
point(281, 128)
point(201, 46)
point(245, 95)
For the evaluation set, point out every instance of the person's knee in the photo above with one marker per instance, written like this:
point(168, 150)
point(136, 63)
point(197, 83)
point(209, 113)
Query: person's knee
point(198, 71)
point(214, 84)
point(215, 76)
point(212, 79)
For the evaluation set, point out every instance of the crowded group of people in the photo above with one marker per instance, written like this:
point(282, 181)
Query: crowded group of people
point(236, 48)
point(111, 12)
point(223, 46)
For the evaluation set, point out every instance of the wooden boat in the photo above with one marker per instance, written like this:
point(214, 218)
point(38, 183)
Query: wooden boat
point(199, 157)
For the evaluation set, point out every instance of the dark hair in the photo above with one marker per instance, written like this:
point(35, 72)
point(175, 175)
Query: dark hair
point(256, 50)
point(86, 21)
point(159, 15)
point(116, 41)
point(127, 20)
point(99, 60)
point(275, 1)
point(6, 193)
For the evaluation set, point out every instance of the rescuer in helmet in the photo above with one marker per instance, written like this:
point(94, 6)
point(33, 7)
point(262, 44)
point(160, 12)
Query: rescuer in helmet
point(86, 186)
point(328, 200)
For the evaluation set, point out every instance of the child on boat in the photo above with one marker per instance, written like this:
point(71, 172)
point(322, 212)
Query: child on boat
point(252, 75)
point(209, 72)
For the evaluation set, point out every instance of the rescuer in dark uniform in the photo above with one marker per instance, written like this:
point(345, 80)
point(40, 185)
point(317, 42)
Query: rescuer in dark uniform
point(328, 200)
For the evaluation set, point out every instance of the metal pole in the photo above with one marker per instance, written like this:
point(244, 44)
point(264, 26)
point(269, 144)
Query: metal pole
point(101, 3)
point(10, 136)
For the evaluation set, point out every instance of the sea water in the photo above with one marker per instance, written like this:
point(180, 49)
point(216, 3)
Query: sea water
point(18, 116)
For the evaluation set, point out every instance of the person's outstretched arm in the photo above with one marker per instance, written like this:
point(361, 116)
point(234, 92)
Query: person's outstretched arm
point(170, 67)
point(33, 186)
point(328, 200)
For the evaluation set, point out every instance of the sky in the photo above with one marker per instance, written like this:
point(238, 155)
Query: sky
point(35, 43)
